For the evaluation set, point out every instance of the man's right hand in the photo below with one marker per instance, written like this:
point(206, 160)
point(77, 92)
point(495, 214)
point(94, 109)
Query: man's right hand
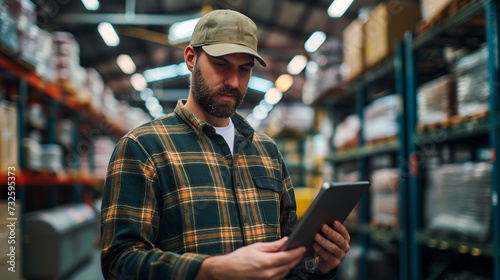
point(255, 261)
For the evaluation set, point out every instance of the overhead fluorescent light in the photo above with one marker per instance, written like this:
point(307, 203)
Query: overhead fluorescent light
point(297, 64)
point(273, 96)
point(126, 63)
point(315, 41)
point(91, 5)
point(260, 84)
point(138, 82)
point(284, 82)
point(339, 7)
point(166, 72)
point(181, 32)
point(260, 112)
point(108, 34)
point(146, 93)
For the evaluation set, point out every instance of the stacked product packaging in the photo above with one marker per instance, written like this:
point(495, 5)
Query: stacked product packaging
point(458, 200)
point(464, 93)
point(347, 133)
point(384, 195)
point(55, 58)
point(381, 118)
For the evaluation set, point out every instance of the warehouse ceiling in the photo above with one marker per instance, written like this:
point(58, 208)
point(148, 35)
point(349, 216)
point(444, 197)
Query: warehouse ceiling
point(284, 26)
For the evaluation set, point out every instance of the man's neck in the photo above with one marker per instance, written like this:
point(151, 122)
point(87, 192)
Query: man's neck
point(200, 113)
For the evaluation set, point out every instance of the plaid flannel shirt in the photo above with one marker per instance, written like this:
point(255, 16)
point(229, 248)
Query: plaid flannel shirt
point(175, 195)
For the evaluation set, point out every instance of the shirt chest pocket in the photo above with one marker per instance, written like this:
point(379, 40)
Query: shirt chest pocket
point(269, 190)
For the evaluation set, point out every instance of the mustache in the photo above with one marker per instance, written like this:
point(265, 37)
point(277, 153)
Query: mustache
point(228, 91)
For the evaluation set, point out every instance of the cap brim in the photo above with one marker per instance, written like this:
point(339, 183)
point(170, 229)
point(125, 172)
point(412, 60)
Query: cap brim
point(224, 49)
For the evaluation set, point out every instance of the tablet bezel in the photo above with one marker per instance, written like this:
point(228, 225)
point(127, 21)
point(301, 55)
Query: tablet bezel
point(344, 195)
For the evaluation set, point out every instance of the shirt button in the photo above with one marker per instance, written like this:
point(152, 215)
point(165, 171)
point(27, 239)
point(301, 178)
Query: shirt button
point(220, 143)
point(245, 219)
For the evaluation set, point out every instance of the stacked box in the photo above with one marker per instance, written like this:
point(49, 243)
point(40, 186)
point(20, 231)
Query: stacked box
point(354, 49)
point(67, 61)
point(458, 200)
point(473, 90)
point(436, 100)
point(431, 8)
point(94, 84)
point(103, 147)
point(44, 58)
point(24, 13)
point(9, 138)
point(384, 194)
point(385, 27)
point(347, 133)
point(381, 118)
point(8, 30)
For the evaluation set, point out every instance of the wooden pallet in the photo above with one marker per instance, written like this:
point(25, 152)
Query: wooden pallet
point(346, 148)
point(385, 226)
point(433, 126)
point(381, 141)
point(451, 9)
point(452, 122)
point(460, 120)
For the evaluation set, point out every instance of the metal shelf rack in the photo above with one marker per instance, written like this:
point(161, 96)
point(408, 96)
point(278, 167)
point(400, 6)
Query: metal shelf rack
point(413, 44)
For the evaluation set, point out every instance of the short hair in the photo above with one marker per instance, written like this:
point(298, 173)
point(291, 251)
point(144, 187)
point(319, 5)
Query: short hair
point(198, 51)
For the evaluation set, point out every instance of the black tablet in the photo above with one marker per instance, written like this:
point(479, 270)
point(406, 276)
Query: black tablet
point(334, 202)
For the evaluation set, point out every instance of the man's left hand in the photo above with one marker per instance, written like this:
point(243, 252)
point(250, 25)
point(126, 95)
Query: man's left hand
point(331, 247)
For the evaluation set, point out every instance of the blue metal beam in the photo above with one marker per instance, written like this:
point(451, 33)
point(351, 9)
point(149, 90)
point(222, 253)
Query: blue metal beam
point(402, 159)
point(414, 202)
point(492, 34)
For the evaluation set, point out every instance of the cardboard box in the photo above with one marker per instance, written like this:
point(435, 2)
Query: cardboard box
point(8, 135)
point(430, 8)
point(386, 26)
point(354, 49)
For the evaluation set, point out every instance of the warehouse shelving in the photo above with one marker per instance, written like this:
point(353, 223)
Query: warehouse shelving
point(489, 129)
point(414, 241)
point(389, 73)
point(44, 189)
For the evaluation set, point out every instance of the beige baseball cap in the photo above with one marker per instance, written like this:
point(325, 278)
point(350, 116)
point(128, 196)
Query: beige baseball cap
point(223, 32)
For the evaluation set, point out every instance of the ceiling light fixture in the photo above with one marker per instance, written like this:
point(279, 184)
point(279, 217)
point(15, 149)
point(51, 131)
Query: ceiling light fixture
point(181, 32)
point(260, 84)
point(339, 7)
point(166, 72)
point(273, 96)
point(91, 5)
point(284, 82)
point(126, 63)
point(138, 82)
point(315, 41)
point(108, 34)
point(297, 64)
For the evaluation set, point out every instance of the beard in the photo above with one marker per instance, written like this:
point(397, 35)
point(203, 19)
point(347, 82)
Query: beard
point(208, 98)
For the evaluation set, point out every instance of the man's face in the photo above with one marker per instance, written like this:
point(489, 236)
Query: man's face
point(222, 90)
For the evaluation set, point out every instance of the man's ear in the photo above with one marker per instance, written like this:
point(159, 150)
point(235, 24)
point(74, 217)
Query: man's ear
point(190, 57)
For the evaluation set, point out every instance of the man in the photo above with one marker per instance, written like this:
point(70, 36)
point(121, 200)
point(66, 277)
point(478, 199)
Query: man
point(198, 194)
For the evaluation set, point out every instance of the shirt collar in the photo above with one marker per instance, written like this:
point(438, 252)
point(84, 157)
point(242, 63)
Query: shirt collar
point(199, 126)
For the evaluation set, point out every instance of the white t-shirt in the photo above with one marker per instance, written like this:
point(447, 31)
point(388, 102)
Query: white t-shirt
point(228, 134)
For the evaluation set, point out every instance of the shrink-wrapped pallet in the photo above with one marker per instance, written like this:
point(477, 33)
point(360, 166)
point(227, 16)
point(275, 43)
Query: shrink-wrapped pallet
point(381, 118)
point(384, 194)
point(472, 84)
point(347, 133)
point(458, 200)
point(436, 100)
